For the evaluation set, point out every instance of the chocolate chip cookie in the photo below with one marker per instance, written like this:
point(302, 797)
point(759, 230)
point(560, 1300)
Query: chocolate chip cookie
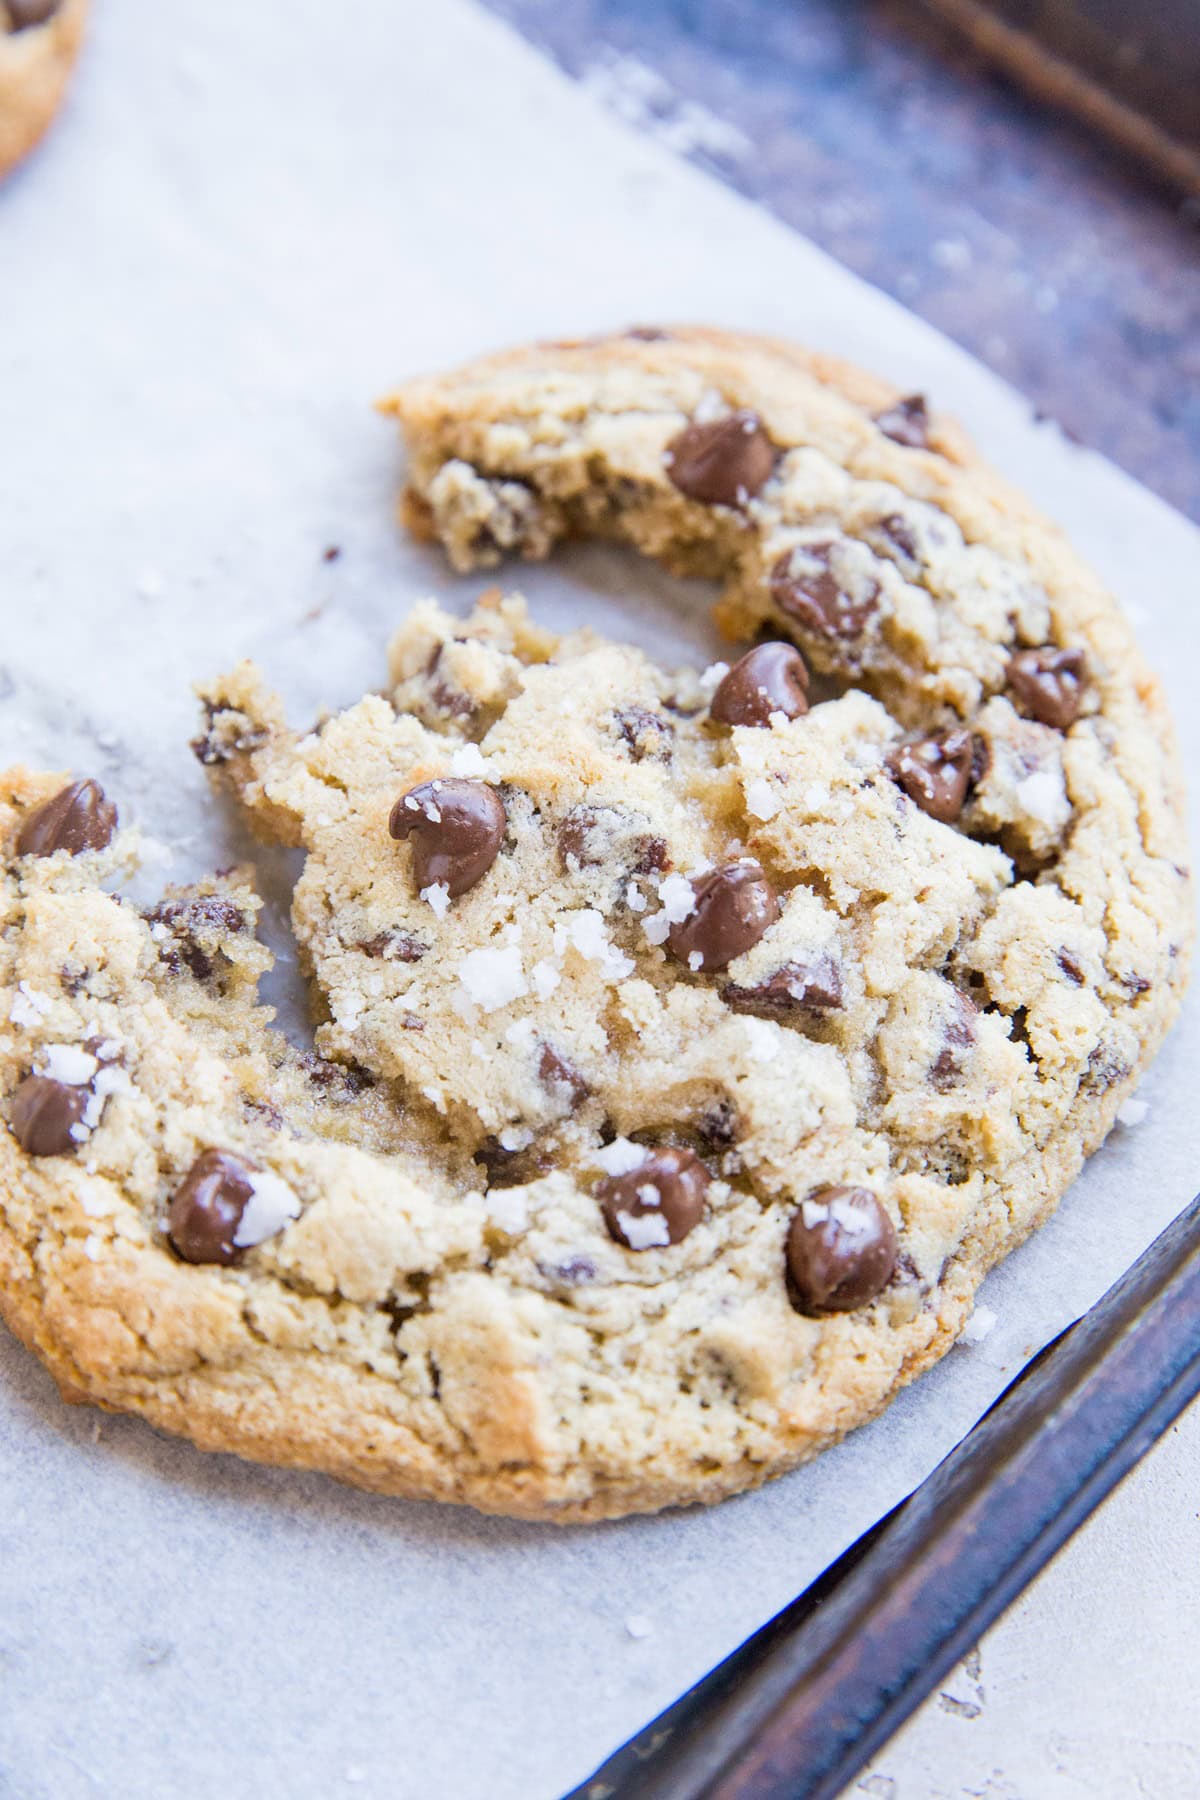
point(39, 41)
point(689, 1043)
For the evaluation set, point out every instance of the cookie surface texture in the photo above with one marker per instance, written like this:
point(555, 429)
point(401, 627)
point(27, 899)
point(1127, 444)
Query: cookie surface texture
point(39, 42)
point(690, 1043)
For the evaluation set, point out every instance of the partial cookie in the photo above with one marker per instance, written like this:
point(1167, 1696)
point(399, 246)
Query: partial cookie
point(688, 1045)
point(39, 42)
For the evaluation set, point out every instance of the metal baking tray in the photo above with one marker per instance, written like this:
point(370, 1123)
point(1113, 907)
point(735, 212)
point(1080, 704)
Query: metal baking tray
point(1130, 69)
point(803, 1705)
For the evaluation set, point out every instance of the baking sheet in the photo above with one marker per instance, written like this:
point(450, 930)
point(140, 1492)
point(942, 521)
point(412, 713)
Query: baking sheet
point(250, 222)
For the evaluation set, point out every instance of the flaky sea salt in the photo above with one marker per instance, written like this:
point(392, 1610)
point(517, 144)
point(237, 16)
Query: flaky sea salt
point(644, 1231)
point(712, 677)
point(546, 977)
point(763, 1040)
point(981, 1324)
point(585, 931)
point(523, 1032)
point(1132, 1112)
point(635, 900)
point(493, 978)
point(813, 1212)
point(516, 1137)
point(677, 897)
point(657, 928)
point(508, 1209)
point(1043, 796)
point(762, 802)
point(29, 1006)
point(271, 1206)
point(638, 1626)
point(437, 896)
point(468, 760)
point(619, 1157)
point(68, 1063)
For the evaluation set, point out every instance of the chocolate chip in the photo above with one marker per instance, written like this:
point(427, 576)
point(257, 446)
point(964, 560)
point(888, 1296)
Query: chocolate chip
point(723, 462)
point(331, 553)
point(805, 588)
point(935, 772)
point(841, 1250)
point(207, 1206)
point(457, 828)
point(25, 13)
point(512, 1168)
point(897, 535)
point(648, 334)
point(578, 842)
point(667, 1190)
point(189, 930)
point(1070, 967)
point(227, 733)
point(958, 1034)
point(79, 817)
point(650, 856)
point(394, 946)
point(644, 733)
point(43, 1112)
point(809, 985)
point(771, 678)
point(562, 1078)
point(732, 908)
point(590, 836)
point(573, 1271)
point(719, 1124)
point(906, 423)
point(1048, 684)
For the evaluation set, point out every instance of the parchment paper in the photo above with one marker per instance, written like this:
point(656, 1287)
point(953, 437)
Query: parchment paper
point(251, 221)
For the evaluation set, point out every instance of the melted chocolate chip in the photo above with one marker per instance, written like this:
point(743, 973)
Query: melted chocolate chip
point(907, 422)
point(723, 462)
point(733, 907)
point(897, 534)
point(207, 1206)
point(578, 842)
point(771, 678)
point(936, 772)
point(324, 1074)
point(511, 1168)
point(958, 1034)
point(227, 733)
point(394, 946)
point(592, 835)
point(719, 1125)
point(644, 733)
point(809, 985)
point(562, 1078)
point(841, 1250)
point(190, 928)
point(457, 828)
point(25, 13)
point(1070, 967)
point(651, 856)
point(43, 1112)
point(79, 817)
point(805, 588)
point(648, 334)
point(667, 1189)
point(1048, 684)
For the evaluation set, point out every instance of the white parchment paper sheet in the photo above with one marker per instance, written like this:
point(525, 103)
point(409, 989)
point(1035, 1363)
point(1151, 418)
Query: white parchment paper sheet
point(250, 222)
